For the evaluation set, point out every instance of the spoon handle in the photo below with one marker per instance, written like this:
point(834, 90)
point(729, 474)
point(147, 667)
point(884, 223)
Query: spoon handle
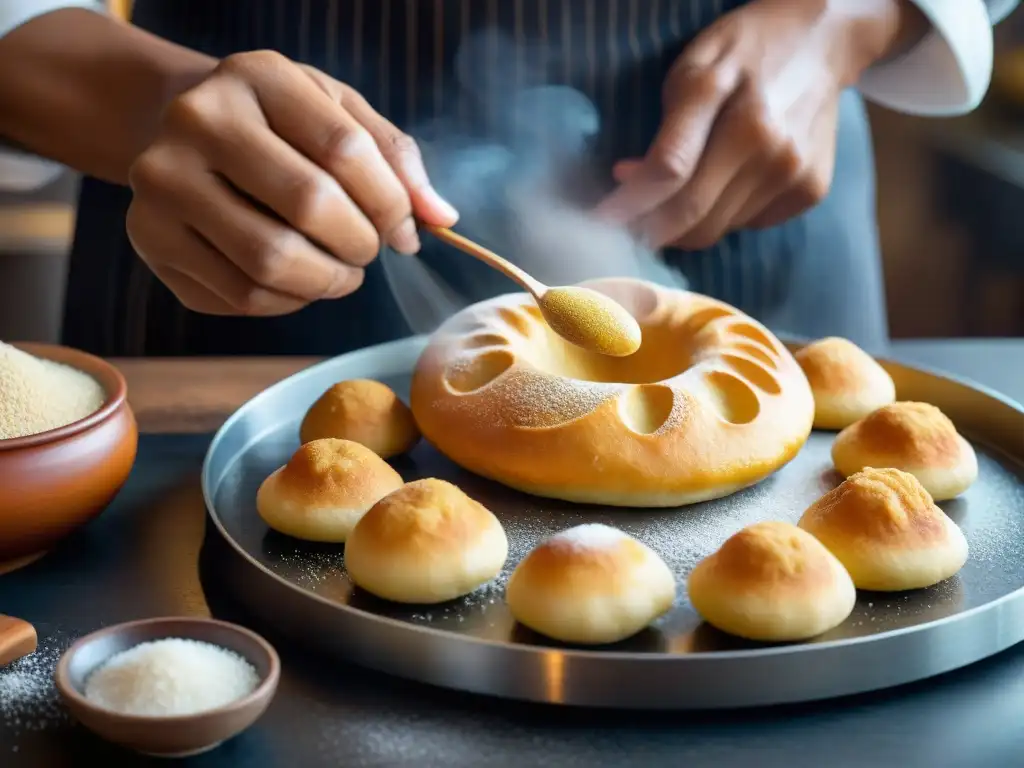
point(17, 639)
point(489, 257)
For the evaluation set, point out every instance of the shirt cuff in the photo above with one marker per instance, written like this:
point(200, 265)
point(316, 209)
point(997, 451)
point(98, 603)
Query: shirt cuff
point(14, 13)
point(1000, 9)
point(948, 72)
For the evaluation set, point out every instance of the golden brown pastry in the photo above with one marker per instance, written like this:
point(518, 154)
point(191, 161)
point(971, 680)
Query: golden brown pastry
point(915, 437)
point(847, 382)
point(590, 585)
point(324, 489)
point(885, 528)
point(711, 402)
point(365, 411)
point(772, 582)
point(427, 542)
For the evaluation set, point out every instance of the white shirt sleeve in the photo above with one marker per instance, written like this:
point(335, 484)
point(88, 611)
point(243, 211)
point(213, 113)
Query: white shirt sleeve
point(949, 71)
point(14, 13)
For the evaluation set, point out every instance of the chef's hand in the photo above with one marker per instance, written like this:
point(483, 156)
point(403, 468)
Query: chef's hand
point(750, 109)
point(270, 185)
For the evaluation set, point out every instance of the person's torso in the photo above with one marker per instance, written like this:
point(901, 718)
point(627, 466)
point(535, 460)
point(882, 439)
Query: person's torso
point(437, 68)
point(420, 60)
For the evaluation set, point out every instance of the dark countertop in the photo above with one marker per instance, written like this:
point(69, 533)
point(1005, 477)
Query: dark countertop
point(139, 559)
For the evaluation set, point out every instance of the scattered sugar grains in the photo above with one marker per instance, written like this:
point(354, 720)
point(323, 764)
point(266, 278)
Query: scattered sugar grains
point(28, 696)
point(171, 677)
point(37, 395)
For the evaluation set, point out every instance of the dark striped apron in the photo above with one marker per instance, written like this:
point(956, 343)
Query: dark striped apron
point(816, 275)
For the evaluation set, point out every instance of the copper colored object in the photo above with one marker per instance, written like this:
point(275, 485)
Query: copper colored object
point(179, 735)
point(528, 283)
point(17, 639)
point(56, 481)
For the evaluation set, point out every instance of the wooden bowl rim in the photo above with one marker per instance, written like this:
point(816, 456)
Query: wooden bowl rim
point(105, 373)
point(264, 691)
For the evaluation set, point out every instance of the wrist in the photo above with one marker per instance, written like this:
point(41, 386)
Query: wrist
point(867, 32)
point(159, 72)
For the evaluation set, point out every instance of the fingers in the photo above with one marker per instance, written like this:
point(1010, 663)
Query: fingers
point(714, 224)
point(799, 197)
point(747, 196)
point(806, 182)
point(269, 252)
point(201, 296)
point(728, 153)
point(769, 174)
point(691, 206)
point(719, 221)
point(752, 173)
point(400, 150)
point(698, 96)
point(197, 297)
point(403, 154)
point(306, 117)
point(203, 280)
point(293, 187)
point(623, 169)
point(271, 185)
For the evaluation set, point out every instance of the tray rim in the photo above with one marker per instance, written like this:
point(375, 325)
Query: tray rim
point(414, 344)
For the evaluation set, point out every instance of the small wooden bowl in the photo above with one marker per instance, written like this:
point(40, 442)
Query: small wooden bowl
point(56, 481)
point(180, 735)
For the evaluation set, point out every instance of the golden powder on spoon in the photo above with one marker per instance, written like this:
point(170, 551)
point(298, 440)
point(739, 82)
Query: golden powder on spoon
point(590, 320)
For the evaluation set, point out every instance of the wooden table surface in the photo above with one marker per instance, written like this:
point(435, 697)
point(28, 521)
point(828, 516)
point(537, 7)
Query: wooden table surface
point(181, 395)
point(196, 395)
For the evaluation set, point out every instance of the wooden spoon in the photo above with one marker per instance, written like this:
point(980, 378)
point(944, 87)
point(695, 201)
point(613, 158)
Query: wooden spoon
point(17, 639)
point(579, 315)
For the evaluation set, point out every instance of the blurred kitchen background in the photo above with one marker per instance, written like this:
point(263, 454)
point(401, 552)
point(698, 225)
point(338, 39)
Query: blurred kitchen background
point(950, 204)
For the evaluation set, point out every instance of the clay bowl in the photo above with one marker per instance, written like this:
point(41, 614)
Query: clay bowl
point(177, 736)
point(53, 482)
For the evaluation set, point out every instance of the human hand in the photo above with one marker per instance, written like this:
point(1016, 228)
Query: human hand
point(750, 116)
point(271, 185)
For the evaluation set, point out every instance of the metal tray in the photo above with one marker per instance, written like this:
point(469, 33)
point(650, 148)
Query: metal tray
point(473, 644)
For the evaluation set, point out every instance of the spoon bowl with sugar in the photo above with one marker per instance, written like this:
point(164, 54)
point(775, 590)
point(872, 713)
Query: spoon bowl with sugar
point(581, 316)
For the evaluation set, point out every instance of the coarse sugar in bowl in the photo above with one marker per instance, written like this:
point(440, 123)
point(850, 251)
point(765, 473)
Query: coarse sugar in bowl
point(68, 441)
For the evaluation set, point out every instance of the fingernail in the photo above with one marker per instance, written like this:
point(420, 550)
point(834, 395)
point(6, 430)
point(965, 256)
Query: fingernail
point(444, 208)
point(404, 238)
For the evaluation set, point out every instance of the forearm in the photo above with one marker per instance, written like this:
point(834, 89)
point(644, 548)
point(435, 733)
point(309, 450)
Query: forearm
point(88, 90)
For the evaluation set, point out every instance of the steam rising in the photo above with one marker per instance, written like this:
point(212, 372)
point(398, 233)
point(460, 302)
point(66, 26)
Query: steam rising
point(521, 184)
